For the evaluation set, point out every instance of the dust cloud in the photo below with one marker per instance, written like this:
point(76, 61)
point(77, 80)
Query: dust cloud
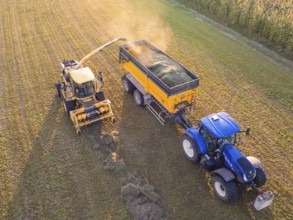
point(128, 24)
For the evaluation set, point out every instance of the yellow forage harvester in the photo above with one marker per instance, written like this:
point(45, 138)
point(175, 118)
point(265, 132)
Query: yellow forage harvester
point(82, 94)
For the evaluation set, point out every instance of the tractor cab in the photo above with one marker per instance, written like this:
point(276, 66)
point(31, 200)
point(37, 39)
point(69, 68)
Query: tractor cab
point(218, 130)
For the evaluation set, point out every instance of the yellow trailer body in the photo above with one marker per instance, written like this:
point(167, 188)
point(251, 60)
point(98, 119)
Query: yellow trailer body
point(168, 81)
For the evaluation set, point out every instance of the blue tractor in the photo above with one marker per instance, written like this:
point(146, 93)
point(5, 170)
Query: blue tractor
point(212, 144)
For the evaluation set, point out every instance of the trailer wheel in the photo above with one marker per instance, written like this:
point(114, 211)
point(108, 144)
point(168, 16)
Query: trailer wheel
point(68, 106)
point(190, 148)
point(128, 86)
point(260, 178)
point(226, 191)
point(138, 98)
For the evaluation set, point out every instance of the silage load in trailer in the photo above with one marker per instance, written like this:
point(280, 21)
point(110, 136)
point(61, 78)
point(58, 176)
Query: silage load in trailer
point(170, 72)
point(167, 70)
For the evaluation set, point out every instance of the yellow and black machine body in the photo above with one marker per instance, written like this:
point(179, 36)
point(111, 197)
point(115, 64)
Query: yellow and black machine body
point(157, 81)
point(82, 94)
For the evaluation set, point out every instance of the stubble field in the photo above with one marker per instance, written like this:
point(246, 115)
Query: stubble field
point(48, 172)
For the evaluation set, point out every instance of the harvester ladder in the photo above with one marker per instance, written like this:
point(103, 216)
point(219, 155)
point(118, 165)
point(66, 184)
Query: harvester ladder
point(158, 114)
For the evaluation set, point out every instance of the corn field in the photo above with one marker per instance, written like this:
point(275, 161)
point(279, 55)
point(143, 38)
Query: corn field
point(271, 19)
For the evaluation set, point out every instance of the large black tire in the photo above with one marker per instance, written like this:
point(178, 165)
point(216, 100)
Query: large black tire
point(138, 98)
point(58, 89)
point(68, 106)
point(128, 86)
point(190, 148)
point(100, 96)
point(226, 191)
point(260, 178)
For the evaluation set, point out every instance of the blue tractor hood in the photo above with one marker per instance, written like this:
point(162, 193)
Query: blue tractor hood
point(220, 124)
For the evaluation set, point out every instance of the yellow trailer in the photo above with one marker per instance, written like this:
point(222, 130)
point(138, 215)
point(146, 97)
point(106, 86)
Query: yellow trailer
point(157, 81)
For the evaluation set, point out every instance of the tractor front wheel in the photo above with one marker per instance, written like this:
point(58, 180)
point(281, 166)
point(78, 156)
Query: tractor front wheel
point(260, 178)
point(226, 191)
point(189, 148)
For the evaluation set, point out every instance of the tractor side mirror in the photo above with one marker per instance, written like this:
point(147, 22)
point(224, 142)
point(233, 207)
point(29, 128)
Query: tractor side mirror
point(247, 131)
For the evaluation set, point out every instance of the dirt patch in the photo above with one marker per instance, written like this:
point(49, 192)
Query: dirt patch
point(137, 193)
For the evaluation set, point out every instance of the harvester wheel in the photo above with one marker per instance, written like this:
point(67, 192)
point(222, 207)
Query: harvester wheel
point(100, 96)
point(190, 148)
point(58, 89)
point(68, 106)
point(138, 98)
point(226, 191)
point(128, 86)
point(260, 178)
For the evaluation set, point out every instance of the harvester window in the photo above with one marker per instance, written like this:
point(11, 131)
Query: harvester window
point(83, 90)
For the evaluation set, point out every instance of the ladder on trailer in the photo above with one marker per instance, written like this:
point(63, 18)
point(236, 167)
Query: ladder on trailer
point(157, 109)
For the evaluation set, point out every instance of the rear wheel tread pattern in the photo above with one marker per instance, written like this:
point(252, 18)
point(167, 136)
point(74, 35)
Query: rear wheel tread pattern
point(230, 188)
point(260, 178)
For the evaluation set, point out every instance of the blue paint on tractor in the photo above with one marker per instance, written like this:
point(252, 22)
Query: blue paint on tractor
point(235, 160)
point(194, 133)
point(220, 124)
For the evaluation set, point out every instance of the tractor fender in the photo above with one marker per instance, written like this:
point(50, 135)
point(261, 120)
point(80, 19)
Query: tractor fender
point(226, 174)
point(254, 161)
point(195, 135)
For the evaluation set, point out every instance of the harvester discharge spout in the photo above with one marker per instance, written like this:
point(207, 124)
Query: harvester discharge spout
point(98, 50)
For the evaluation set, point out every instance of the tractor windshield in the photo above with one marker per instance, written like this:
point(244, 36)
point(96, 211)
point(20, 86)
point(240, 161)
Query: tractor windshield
point(83, 90)
point(230, 139)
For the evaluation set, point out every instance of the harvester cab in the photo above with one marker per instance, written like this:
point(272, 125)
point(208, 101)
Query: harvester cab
point(82, 94)
point(213, 144)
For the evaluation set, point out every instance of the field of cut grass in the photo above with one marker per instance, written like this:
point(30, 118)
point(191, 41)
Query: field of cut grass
point(46, 171)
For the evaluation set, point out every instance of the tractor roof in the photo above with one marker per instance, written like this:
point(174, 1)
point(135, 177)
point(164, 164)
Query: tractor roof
point(220, 124)
point(82, 75)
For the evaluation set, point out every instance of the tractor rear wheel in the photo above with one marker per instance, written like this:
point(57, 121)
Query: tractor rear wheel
point(128, 86)
point(190, 148)
point(260, 178)
point(226, 191)
point(68, 106)
point(138, 98)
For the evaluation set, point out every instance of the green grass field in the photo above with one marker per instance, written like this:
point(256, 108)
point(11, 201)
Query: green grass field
point(269, 20)
point(47, 172)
